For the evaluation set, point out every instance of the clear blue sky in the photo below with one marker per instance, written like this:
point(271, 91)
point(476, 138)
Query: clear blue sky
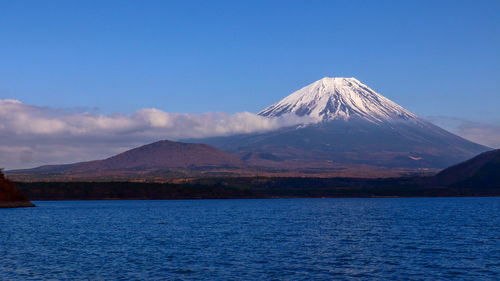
point(432, 57)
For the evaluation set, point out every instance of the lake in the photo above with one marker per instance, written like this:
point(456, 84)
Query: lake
point(286, 239)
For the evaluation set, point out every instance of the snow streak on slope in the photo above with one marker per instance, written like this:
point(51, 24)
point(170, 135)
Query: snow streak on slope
point(339, 98)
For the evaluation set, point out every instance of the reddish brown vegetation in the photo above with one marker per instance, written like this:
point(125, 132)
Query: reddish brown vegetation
point(10, 196)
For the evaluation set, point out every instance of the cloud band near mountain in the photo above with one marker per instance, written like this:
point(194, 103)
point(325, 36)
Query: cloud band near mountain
point(484, 133)
point(34, 135)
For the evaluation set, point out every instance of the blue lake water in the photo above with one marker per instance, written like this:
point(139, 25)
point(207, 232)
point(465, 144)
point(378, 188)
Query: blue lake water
point(292, 239)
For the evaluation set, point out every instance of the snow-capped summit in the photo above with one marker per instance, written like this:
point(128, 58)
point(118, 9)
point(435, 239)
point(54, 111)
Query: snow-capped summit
point(339, 98)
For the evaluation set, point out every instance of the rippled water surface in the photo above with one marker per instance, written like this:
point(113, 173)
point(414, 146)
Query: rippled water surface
point(397, 238)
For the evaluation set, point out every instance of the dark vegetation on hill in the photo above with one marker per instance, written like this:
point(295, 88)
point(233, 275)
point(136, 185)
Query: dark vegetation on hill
point(10, 196)
point(220, 188)
point(476, 177)
point(482, 170)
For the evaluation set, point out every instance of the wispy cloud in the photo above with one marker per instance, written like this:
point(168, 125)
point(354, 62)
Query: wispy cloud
point(34, 135)
point(481, 132)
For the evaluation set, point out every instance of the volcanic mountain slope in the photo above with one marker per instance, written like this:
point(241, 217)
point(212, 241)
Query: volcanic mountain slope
point(353, 125)
point(161, 156)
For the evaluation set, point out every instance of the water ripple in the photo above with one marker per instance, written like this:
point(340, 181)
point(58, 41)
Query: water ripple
point(296, 239)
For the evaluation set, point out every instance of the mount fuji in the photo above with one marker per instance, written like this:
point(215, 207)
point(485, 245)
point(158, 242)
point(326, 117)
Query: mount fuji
point(349, 130)
point(351, 125)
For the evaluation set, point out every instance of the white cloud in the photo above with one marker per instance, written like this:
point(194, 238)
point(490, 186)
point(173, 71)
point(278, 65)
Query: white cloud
point(481, 132)
point(32, 135)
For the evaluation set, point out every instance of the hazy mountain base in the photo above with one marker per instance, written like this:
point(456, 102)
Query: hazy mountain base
point(357, 142)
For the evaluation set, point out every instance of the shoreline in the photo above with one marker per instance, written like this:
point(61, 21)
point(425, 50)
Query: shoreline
point(16, 204)
point(267, 198)
point(256, 188)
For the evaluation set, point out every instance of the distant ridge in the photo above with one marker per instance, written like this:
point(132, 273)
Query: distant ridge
point(161, 156)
